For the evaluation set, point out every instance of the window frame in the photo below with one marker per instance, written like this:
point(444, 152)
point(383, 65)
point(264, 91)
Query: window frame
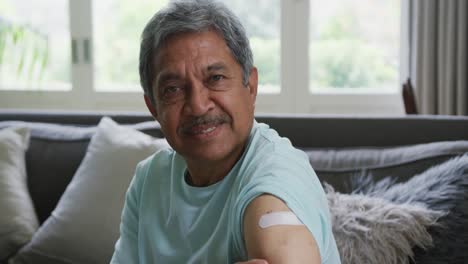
point(294, 75)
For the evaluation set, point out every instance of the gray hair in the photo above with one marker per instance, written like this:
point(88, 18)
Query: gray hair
point(192, 16)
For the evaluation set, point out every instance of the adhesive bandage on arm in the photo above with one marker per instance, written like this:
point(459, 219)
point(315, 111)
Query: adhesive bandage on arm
point(279, 218)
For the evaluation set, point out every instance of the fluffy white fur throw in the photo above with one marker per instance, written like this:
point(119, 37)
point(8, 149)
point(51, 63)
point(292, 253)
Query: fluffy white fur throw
point(373, 230)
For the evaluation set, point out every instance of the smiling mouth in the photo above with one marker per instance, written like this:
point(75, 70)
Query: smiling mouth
point(208, 130)
point(204, 127)
point(200, 130)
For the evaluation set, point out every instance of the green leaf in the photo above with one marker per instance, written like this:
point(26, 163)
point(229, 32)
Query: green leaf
point(3, 39)
point(44, 59)
point(18, 34)
point(34, 60)
point(21, 62)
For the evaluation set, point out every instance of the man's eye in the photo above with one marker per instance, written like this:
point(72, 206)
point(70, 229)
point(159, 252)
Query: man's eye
point(170, 93)
point(217, 77)
point(171, 90)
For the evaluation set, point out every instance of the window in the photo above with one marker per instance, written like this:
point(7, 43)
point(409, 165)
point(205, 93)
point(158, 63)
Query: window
point(117, 26)
point(34, 45)
point(263, 29)
point(336, 56)
point(354, 46)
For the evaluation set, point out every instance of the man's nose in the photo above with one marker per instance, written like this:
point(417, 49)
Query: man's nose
point(198, 100)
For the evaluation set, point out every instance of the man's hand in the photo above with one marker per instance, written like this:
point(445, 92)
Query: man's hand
point(254, 261)
point(279, 243)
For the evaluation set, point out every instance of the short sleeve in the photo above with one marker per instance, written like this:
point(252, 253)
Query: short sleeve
point(291, 179)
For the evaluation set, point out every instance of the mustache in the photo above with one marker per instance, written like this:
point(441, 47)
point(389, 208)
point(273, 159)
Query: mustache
point(205, 120)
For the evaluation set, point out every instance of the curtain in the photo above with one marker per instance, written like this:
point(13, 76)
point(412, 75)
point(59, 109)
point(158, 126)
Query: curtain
point(439, 57)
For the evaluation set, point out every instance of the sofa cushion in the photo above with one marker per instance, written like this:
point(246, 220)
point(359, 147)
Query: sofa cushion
point(341, 167)
point(85, 224)
point(54, 154)
point(18, 222)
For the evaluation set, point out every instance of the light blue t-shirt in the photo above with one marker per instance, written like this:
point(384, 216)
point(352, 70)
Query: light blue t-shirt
point(165, 220)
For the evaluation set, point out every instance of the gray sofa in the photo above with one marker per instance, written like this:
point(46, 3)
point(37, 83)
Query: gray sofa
point(340, 147)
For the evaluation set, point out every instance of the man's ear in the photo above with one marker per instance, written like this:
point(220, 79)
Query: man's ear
point(151, 106)
point(253, 83)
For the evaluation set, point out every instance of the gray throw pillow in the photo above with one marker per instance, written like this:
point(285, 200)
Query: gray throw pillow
point(443, 187)
point(374, 230)
point(18, 221)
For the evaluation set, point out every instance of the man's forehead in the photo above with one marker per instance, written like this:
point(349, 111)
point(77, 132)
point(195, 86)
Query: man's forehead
point(169, 73)
point(184, 42)
point(194, 37)
point(177, 53)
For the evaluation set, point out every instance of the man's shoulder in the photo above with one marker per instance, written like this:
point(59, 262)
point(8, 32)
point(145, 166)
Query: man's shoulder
point(265, 138)
point(272, 162)
point(269, 147)
point(159, 157)
point(157, 162)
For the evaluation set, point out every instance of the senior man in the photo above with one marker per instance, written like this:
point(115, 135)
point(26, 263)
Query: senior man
point(230, 189)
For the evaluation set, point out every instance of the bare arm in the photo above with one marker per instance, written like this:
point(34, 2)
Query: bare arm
point(280, 243)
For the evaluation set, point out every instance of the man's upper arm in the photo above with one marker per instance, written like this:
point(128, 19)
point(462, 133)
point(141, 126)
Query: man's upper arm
point(279, 243)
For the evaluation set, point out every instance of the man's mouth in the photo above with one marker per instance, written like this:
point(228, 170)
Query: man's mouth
point(204, 126)
point(201, 129)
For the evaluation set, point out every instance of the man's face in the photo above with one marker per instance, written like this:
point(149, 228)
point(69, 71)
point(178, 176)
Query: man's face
point(205, 111)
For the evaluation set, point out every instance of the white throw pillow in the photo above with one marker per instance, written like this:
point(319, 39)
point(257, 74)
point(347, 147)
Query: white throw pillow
point(84, 226)
point(18, 220)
